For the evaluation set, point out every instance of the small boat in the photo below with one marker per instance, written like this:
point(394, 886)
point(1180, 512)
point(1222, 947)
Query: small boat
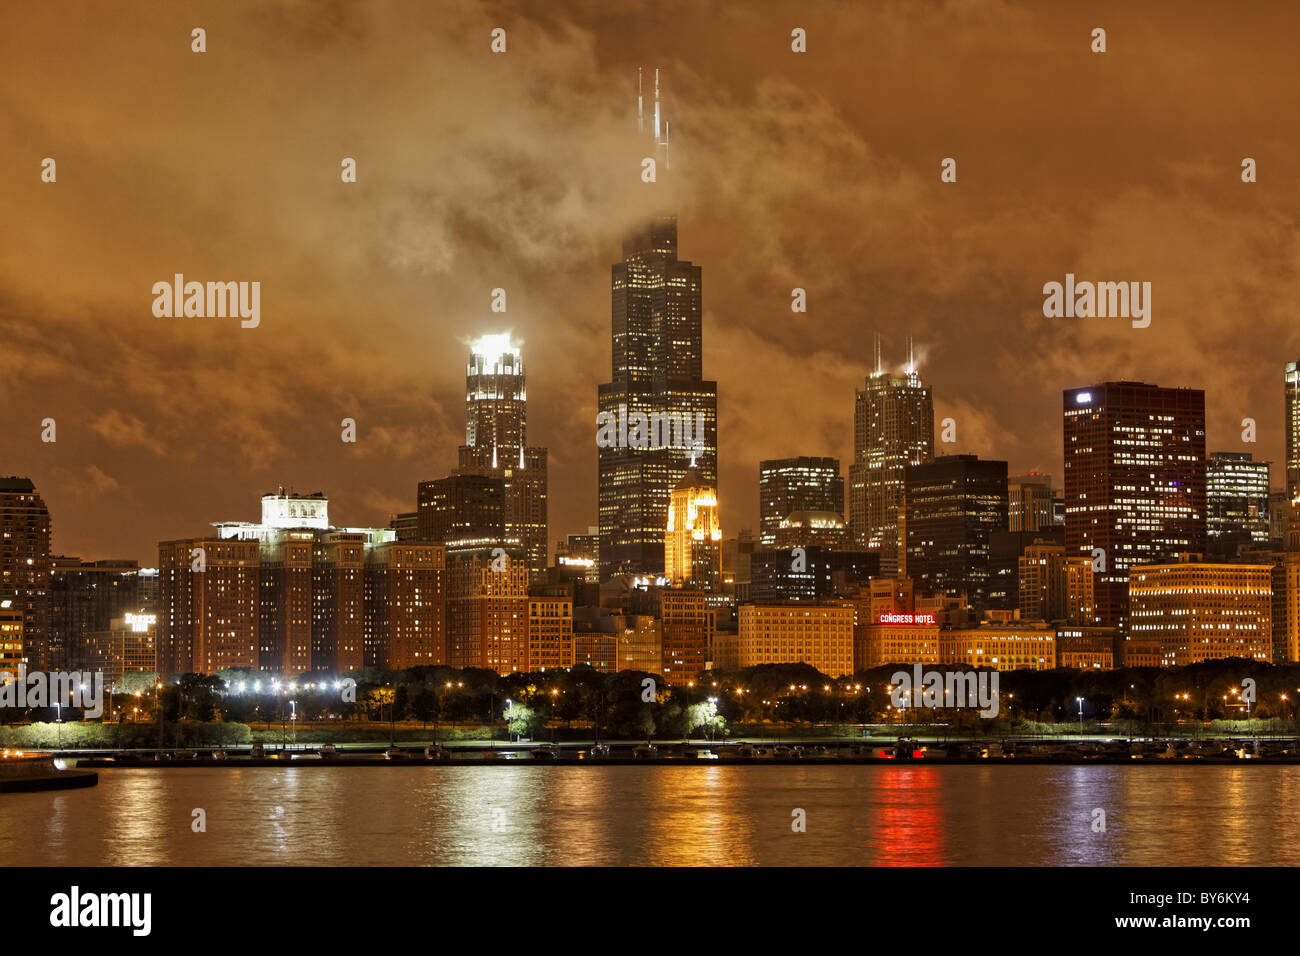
point(489, 755)
point(328, 751)
point(598, 751)
point(162, 755)
point(645, 752)
point(435, 752)
point(220, 755)
point(125, 755)
point(257, 751)
point(396, 753)
point(546, 752)
point(184, 755)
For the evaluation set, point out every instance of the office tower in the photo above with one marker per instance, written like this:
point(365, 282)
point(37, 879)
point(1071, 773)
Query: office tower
point(128, 644)
point(406, 525)
point(803, 484)
point(406, 605)
point(812, 574)
point(1200, 611)
point(893, 427)
point(487, 609)
point(1291, 386)
point(11, 637)
point(25, 566)
point(693, 539)
point(1055, 586)
point(578, 556)
point(953, 506)
point(464, 509)
point(1134, 481)
point(496, 443)
point(85, 597)
point(817, 635)
point(1005, 551)
point(1085, 648)
point(147, 589)
point(1236, 502)
point(688, 625)
point(807, 529)
point(208, 605)
point(639, 642)
point(664, 410)
point(550, 633)
point(1029, 502)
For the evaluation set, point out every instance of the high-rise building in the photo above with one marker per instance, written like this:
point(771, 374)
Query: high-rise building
point(688, 626)
point(209, 605)
point(1199, 611)
point(11, 637)
point(693, 540)
point(1134, 481)
point(1236, 502)
point(788, 485)
point(953, 506)
point(1291, 386)
point(550, 633)
point(664, 410)
point(1055, 586)
point(893, 427)
point(464, 509)
point(406, 605)
point(85, 598)
point(487, 609)
point(1029, 502)
point(496, 432)
point(25, 566)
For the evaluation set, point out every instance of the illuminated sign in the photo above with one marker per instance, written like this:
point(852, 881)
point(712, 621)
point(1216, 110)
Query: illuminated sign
point(1083, 398)
point(905, 618)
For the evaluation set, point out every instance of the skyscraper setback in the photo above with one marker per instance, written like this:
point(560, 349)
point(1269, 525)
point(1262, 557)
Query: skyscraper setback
point(657, 368)
point(893, 427)
point(496, 432)
point(1134, 481)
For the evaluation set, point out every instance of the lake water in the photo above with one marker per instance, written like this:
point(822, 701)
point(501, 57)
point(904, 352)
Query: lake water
point(664, 815)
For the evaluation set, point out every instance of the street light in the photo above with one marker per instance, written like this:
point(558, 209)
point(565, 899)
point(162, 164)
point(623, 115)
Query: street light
point(1080, 700)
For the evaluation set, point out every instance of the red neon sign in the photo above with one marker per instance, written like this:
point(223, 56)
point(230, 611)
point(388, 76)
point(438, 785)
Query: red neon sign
point(892, 617)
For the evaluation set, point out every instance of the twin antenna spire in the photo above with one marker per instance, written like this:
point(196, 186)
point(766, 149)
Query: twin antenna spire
point(911, 356)
point(660, 137)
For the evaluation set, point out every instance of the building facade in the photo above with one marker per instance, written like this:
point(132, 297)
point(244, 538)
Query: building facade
point(1134, 481)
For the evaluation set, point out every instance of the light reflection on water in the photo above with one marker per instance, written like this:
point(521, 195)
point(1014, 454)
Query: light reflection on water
point(662, 815)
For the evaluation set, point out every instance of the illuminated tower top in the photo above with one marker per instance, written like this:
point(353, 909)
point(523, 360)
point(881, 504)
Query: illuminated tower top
point(496, 399)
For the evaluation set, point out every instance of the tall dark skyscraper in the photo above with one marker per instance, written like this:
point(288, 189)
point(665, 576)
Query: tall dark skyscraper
point(496, 397)
point(787, 485)
point(893, 427)
point(954, 504)
point(25, 564)
point(1134, 481)
point(656, 376)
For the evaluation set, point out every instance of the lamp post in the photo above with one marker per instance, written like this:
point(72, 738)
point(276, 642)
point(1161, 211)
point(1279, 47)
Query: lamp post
point(1080, 700)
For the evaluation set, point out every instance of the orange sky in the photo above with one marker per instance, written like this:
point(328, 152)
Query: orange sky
point(479, 171)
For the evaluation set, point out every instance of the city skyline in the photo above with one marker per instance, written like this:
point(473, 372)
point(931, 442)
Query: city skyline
point(406, 288)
